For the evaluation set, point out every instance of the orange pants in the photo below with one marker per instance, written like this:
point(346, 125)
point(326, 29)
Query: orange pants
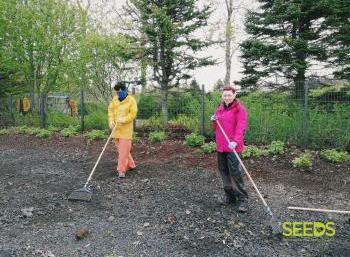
point(125, 160)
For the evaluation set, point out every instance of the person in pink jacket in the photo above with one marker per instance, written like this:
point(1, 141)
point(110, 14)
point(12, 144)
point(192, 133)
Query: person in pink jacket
point(232, 116)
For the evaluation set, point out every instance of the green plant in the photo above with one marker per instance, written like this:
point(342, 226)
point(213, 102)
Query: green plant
point(188, 122)
point(32, 131)
point(135, 138)
point(70, 131)
point(194, 139)
point(61, 120)
point(303, 162)
point(4, 132)
point(22, 129)
point(335, 156)
point(209, 147)
point(253, 151)
point(96, 119)
point(276, 147)
point(157, 136)
point(96, 134)
point(53, 129)
point(43, 133)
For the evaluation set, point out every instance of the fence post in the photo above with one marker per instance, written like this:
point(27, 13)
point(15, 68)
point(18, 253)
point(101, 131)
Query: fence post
point(306, 115)
point(203, 112)
point(82, 111)
point(42, 110)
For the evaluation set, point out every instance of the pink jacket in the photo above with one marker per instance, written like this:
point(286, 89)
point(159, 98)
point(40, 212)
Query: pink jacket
point(234, 122)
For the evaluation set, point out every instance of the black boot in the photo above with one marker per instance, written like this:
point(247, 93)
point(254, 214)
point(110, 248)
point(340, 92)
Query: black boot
point(229, 197)
point(243, 206)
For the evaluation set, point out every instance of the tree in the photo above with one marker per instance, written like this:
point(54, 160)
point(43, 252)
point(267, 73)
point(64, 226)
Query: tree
point(339, 38)
point(169, 30)
point(285, 38)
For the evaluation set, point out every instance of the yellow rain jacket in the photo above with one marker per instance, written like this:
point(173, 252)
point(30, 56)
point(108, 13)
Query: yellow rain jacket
point(26, 104)
point(122, 114)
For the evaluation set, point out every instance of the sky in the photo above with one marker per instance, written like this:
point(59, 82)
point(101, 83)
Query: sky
point(211, 74)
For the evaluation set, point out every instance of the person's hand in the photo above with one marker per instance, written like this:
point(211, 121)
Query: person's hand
point(213, 117)
point(111, 125)
point(232, 145)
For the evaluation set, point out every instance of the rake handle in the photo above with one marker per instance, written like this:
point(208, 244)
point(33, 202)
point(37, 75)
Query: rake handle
point(99, 158)
point(317, 210)
point(245, 169)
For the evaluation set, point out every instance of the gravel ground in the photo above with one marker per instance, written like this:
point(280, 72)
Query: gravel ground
point(168, 206)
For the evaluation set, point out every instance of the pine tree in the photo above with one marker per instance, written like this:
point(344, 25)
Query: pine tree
point(285, 38)
point(169, 28)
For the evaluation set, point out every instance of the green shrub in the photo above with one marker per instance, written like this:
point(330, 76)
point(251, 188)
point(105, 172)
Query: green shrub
point(135, 138)
point(194, 139)
point(303, 162)
point(276, 147)
point(154, 123)
point(70, 131)
point(209, 148)
point(61, 120)
point(97, 119)
point(96, 134)
point(5, 132)
point(157, 136)
point(22, 129)
point(53, 129)
point(188, 122)
point(32, 131)
point(335, 156)
point(253, 151)
point(43, 133)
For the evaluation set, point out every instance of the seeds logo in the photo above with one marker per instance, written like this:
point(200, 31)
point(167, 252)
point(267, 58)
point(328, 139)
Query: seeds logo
point(316, 229)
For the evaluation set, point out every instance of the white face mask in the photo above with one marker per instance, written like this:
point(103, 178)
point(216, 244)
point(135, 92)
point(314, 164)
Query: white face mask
point(228, 97)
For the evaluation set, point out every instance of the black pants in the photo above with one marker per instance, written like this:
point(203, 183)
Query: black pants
point(231, 176)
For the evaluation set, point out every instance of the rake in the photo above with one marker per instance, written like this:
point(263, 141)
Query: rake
point(84, 193)
point(274, 223)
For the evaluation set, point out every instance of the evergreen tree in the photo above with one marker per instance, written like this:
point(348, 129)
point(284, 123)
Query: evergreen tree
point(285, 38)
point(168, 28)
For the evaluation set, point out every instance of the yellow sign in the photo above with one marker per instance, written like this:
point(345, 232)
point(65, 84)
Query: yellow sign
point(308, 229)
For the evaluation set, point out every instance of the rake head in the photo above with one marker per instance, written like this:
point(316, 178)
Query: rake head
point(82, 194)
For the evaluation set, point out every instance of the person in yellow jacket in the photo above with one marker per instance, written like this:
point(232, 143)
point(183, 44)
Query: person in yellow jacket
point(121, 112)
point(26, 105)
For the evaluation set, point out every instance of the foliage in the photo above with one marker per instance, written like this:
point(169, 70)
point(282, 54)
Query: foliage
point(147, 106)
point(96, 134)
point(252, 151)
point(167, 39)
point(303, 162)
point(70, 131)
point(186, 121)
point(96, 119)
point(43, 133)
point(276, 147)
point(60, 120)
point(194, 139)
point(209, 147)
point(157, 136)
point(335, 156)
point(285, 40)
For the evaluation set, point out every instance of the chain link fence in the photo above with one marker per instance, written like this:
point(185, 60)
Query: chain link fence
point(319, 117)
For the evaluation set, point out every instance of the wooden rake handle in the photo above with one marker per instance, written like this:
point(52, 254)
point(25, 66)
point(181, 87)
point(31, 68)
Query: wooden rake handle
point(317, 210)
point(99, 158)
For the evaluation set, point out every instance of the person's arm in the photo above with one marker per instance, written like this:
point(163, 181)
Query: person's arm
point(132, 112)
point(112, 114)
point(241, 124)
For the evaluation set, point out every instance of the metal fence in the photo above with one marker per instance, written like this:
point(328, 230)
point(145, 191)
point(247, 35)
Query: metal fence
point(319, 117)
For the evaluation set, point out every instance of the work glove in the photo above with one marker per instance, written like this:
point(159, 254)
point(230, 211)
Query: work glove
point(213, 117)
point(111, 125)
point(232, 145)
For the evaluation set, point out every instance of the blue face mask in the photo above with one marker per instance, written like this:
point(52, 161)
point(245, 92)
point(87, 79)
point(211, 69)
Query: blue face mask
point(122, 94)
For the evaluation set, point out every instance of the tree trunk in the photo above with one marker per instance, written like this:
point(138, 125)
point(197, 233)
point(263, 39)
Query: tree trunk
point(228, 41)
